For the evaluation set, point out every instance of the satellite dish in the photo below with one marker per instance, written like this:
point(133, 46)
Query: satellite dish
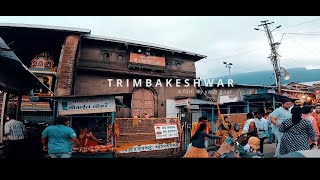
point(284, 73)
point(287, 76)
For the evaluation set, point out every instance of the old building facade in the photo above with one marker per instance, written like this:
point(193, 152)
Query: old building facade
point(107, 65)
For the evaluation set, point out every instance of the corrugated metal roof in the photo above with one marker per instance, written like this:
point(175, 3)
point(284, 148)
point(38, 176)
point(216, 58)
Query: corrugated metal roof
point(100, 38)
point(298, 91)
point(226, 85)
point(265, 97)
point(140, 43)
point(201, 102)
point(310, 83)
point(36, 26)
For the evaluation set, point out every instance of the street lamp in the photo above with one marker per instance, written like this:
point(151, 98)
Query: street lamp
point(228, 65)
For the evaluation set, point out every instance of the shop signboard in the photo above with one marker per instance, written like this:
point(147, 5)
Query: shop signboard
point(86, 105)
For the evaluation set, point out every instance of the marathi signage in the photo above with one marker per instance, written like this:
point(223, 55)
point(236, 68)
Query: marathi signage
point(182, 102)
point(151, 147)
point(166, 131)
point(87, 105)
point(149, 60)
point(35, 106)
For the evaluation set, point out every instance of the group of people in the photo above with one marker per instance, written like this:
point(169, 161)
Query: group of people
point(295, 127)
point(292, 126)
point(58, 139)
point(200, 134)
point(256, 129)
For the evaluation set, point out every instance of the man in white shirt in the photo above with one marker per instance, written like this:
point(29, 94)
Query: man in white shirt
point(15, 131)
point(262, 127)
point(277, 117)
point(250, 118)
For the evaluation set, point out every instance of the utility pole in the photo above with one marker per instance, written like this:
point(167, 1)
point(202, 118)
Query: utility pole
point(228, 65)
point(274, 56)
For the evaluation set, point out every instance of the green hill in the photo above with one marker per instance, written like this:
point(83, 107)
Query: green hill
point(266, 78)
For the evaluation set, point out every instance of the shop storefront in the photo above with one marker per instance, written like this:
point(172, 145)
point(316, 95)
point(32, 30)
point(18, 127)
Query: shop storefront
point(92, 116)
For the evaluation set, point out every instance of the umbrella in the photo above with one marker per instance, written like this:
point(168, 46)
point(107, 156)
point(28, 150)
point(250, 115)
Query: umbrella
point(303, 154)
point(14, 75)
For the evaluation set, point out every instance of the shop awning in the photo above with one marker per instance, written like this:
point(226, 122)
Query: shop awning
point(201, 102)
point(15, 77)
point(265, 97)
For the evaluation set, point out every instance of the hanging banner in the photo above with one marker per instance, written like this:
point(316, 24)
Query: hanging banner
point(151, 147)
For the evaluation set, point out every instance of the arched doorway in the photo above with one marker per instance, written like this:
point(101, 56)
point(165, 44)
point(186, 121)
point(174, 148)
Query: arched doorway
point(143, 101)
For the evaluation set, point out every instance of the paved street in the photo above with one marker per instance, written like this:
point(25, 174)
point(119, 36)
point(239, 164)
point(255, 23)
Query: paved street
point(270, 148)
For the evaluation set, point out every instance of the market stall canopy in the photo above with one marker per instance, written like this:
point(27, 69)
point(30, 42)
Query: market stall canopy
point(303, 154)
point(265, 97)
point(14, 75)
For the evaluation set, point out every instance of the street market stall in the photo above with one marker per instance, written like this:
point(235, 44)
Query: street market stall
point(92, 118)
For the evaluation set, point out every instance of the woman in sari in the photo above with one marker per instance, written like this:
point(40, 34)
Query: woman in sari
point(87, 138)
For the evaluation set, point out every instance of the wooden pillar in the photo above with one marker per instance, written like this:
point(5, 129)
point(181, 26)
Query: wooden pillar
point(18, 107)
point(248, 106)
point(213, 121)
point(113, 140)
point(273, 103)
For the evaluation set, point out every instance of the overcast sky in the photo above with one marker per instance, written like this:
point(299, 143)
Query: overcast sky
point(221, 38)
